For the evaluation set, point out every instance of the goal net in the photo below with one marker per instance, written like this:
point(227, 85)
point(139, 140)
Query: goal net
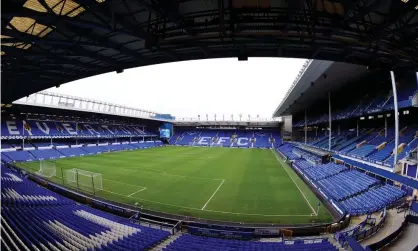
point(47, 169)
point(85, 180)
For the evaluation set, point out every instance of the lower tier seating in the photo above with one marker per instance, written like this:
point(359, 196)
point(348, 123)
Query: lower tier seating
point(193, 243)
point(372, 200)
point(356, 192)
point(286, 149)
point(346, 184)
point(320, 172)
point(46, 154)
point(34, 218)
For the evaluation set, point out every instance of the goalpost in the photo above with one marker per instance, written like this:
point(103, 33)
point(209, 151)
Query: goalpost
point(84, 180)
point(47, 168)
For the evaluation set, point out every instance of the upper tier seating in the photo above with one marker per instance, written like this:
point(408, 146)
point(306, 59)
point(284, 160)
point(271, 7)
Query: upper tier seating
point(34, 128)
point(410, 147)
point(383, 153)
point(363, 151)
point(372, 102)
point(193, 243)
point(40, 219)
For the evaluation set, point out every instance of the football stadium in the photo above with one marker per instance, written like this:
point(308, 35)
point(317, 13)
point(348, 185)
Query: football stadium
point(335, 167)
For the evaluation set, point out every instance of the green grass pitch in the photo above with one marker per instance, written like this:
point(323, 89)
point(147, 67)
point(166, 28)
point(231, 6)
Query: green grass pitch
point(227, 184)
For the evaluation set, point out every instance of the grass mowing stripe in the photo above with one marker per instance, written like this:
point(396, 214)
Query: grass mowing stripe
point(146, 170)
point(313, 210)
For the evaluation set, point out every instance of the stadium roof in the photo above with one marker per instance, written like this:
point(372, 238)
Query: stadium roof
point(314, 81)
point(46, 43)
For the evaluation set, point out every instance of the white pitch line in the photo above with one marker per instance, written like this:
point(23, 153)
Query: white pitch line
point(266, 215)
point(140, 190)
point(213, 211)
point(122, 183)
point(213, 194)
point(207, 210)
point(313, 210)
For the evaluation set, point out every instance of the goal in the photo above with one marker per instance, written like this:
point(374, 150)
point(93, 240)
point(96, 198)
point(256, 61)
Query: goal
point(84, 180)
point(47, 168)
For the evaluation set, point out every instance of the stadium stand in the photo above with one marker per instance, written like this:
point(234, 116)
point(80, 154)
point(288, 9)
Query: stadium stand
point(368, 103)
point(19, 156)
point(72, 152)
point(56, 153)
point(346, 184)
point(355, 192)
point(38, 219)
point(323, 171)
point(191, 243)
point(42, 129)
point(372, 144)
point(372, 200)
point(47, 154)
point(227, 138)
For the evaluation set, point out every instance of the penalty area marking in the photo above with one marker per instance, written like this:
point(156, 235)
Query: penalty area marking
point(140, 190)
point(214, 211)
point(313, 210)
point(206, 210)
point(213, 195)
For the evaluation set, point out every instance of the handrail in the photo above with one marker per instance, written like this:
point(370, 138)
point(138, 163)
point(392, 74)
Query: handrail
point(174, 228)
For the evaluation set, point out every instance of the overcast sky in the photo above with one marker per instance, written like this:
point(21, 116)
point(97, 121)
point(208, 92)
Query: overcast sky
point(187, 89)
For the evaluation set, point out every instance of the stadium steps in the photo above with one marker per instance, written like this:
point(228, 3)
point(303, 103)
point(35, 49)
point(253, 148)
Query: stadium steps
point(166, 242)
point(393, 221)
point(335, 243)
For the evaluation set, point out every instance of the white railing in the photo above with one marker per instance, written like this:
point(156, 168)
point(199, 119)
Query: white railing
point(55, 100)
point(215, 118)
